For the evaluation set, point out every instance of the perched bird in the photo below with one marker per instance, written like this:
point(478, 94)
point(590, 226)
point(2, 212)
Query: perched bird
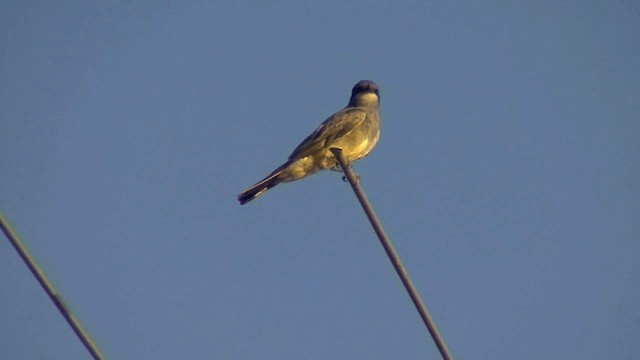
point(355, 129)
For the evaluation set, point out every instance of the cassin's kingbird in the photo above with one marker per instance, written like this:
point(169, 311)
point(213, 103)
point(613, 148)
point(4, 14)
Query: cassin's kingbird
point(355, 129)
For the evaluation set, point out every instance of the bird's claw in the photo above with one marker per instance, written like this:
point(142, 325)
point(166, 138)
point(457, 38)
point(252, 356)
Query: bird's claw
point(344, 178)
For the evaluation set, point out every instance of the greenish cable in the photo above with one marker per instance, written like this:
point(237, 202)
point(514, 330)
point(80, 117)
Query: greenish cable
point(393, 255)
point(50, 290)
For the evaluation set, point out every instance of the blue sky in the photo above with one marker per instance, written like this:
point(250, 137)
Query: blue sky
point(506, 175)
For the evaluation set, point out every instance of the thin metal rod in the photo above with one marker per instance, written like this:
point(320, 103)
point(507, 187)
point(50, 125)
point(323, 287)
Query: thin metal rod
point(50, 290)
point(393, 255)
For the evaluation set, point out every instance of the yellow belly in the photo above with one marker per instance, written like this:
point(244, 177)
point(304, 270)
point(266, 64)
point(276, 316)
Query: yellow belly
point(324, 159)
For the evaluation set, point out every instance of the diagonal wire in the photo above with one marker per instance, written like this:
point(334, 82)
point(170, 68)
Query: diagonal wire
point(50, 290)
point(393, 256)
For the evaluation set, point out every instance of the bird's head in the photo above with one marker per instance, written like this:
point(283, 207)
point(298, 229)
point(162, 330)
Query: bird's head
point(365, 93)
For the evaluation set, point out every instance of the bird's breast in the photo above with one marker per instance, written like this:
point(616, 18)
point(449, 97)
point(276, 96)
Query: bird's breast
point(360, 143)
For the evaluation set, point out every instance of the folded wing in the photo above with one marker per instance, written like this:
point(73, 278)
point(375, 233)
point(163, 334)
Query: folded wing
point(338, 125)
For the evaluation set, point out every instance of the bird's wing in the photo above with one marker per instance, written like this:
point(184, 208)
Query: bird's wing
point(335, 127)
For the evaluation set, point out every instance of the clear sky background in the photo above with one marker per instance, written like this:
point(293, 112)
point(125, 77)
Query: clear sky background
point(507, 175)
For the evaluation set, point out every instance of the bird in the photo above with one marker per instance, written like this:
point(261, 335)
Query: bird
point(355, 129)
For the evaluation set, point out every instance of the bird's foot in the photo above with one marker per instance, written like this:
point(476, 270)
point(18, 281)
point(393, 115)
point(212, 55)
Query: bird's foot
point(338, 168)
point(344, 178)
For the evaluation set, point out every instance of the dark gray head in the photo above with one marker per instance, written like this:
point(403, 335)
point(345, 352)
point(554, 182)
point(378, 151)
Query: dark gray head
point(365, 93)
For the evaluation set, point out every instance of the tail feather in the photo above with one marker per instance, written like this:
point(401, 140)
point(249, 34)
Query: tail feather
point(261, 187)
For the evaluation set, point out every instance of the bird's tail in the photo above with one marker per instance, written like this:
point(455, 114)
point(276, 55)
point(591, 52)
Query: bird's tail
point(262, 186)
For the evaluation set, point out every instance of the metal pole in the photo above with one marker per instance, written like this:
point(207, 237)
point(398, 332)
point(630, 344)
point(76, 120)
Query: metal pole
point(50, 290)
point(393, 255)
